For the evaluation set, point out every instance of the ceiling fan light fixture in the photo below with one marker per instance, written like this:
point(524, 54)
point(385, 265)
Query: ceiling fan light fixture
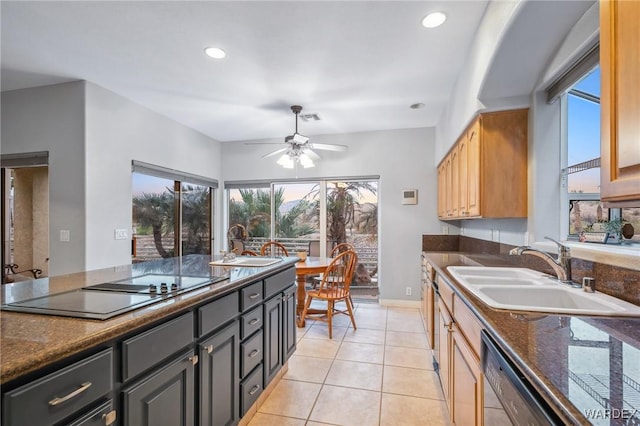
point(286, 161)
point(306, 161)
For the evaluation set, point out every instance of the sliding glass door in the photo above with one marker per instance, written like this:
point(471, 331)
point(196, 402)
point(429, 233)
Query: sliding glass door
point(307, 215)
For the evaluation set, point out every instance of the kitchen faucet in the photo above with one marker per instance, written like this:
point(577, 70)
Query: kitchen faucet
point(561, 265)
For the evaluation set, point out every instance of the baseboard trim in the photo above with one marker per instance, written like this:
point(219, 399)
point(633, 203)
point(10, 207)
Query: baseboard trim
point(400, 303)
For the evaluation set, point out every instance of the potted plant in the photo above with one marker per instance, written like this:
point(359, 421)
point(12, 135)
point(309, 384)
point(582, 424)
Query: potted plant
point(614, 228)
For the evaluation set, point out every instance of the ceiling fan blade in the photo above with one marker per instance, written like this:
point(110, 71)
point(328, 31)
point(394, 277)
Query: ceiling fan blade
point(263, 143)
point(329, 147)
point(276, 152)
point(311, 154)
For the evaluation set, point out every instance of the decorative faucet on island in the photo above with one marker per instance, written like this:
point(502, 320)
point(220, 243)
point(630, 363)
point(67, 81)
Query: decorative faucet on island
point(561, 265)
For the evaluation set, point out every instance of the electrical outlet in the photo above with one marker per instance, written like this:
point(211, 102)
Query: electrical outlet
point(445, 230)
point(121, 234)
point(462, 231)
point(495, 234)
point(408, 291)
point(65, 235)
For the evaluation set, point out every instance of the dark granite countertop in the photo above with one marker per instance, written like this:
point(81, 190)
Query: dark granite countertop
point(581, 365)
point(31, 341)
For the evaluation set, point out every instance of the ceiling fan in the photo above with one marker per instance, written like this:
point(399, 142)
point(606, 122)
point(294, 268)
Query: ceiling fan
point(299, 150)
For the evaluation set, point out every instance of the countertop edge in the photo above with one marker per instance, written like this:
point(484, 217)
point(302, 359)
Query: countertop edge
point(145, 318)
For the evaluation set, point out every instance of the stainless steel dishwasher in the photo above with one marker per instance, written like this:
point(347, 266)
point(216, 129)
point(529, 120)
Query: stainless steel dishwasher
point(509, 399)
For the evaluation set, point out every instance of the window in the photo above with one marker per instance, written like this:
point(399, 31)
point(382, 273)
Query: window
point(581, 176)
point(172, 213)
point(308, 212)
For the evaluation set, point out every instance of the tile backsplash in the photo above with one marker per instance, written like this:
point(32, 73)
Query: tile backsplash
point(616, 281)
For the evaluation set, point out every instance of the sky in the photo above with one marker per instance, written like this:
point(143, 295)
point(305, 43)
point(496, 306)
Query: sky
point(583, 127)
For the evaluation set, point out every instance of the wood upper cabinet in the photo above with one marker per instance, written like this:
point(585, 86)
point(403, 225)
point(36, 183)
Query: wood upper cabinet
point(487, 168)
point(620, 102)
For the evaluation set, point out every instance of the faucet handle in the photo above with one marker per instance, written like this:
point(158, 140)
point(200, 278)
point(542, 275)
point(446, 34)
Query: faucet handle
point(558, 243)
point(563, 251)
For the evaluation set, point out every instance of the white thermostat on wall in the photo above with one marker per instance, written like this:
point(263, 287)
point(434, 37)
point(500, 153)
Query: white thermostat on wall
point(409, 196)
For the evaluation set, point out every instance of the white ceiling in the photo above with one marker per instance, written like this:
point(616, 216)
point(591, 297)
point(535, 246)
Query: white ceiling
point(357, 64)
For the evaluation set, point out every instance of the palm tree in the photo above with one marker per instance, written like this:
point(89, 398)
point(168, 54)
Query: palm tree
point(254, 213)
point(341, 202)
point(156, 211)
point(196, 211)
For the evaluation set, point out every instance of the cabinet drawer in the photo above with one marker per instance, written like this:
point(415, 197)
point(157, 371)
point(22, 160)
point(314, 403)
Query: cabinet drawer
point(104, 415)
point(216, 313)
point(251, 322)
point(250, 296)
point(468, 323)
point(251, 353)
point(446, 293)
point(52, 398)
point(250, 390)
point(279, 282)
point(145, 350)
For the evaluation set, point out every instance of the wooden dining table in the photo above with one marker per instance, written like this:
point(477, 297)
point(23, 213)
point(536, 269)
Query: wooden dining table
point(311, 266)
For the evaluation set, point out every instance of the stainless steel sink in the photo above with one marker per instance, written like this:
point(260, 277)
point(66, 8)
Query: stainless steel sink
point(521, 289)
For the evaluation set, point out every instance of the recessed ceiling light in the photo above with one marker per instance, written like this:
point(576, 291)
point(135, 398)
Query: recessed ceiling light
point(215, 52)
point(417, 106)
point(434, 19)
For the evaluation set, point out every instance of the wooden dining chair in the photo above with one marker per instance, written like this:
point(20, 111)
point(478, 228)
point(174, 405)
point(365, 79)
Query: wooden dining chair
point(273, 248)
point(334, 252)
point(248, 253)
point(341, 248)
point(334, 287)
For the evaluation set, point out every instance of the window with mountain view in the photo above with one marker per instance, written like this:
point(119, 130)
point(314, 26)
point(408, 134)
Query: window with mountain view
point(582, 174)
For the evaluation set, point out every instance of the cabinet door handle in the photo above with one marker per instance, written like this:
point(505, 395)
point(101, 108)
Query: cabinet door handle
point(254, 321)
point(254, 389)
point(57, 401)
point(254, 295)
point(109, 418)
point(193, 359)
point(254, 353)
point(209, 349)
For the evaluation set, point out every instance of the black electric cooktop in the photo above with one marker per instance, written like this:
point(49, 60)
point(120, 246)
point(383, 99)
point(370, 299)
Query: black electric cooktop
point(107, 300)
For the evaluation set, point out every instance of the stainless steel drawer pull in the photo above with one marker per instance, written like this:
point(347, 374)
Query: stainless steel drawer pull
point(254, 321)
point(254, 353)
point(254, 295)
point(57, 401)
point(254, 389)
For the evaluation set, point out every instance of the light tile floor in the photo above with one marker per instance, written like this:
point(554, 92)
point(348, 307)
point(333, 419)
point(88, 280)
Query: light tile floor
point(380, 374)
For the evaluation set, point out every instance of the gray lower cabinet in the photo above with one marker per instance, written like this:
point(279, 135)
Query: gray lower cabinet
point(289, 322)
point(164, 397)
point(62, 394)
point(206, 366)
point(279, 331)
point(219, 377)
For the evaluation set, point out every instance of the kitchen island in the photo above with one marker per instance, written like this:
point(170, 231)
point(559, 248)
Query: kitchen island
point(585, 368)
point(244, 320)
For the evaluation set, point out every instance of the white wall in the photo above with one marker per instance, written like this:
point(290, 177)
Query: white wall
point(51, 118)
point(464, 102)
point(92, 135)
point(119, 131)
point(402, 158)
